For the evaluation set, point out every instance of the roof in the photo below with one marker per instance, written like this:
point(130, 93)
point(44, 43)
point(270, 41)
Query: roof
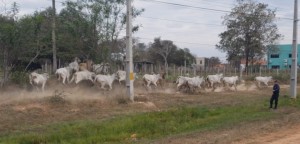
point(256, 62)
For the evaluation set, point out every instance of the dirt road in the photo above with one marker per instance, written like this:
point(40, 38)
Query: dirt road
point(290, 135)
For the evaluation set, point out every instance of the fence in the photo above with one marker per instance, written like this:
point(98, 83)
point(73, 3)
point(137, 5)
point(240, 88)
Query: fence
point(174, 71)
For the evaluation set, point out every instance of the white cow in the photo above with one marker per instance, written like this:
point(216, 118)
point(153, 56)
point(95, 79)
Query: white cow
point(265, 80)
point(212, 79)
point(104, 80)
point(64, 74)
point(83, 75)
point(101, 68)
point(231, 81)
point(121, 76)
point(74, 65)
point(181, 81)
point(195, 82)
point(36, 79)
point(151, 79)
point(192, 83)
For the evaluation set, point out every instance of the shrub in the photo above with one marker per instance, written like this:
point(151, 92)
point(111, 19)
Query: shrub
point(20, 78)
point(57, 97)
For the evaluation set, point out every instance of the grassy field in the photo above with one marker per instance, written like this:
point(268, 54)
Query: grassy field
point(148, 126)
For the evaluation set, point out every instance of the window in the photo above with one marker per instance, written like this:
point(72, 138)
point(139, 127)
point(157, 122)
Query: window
point(290, 55)
point(275, 67)
point(274, 56)
point(200, 61)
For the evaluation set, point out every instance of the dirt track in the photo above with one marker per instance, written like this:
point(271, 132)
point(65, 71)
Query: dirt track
point(22, 109)
point(289, 135)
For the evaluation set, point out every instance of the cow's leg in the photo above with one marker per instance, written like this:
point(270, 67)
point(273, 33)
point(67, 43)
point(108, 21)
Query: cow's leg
point(110, 87)
point(73, 78)
point(266, 83)
point(68, 78)
point(235, 87)
point(64, 80)
point(178, 87)
point(43, 87)
point(102, 86)
point(77, 80)
point(91, 80)
point(148, 84)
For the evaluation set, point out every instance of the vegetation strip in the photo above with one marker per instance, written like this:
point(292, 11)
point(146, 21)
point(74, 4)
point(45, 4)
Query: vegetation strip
point(145, 126)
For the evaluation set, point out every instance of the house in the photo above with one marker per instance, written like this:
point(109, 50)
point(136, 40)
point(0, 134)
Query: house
point(281, 57)
point(200, 62)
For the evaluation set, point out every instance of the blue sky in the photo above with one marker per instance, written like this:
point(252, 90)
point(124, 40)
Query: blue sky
point(193, 28)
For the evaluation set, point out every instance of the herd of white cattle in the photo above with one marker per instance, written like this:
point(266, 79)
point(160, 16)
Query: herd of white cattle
point(101, 80)
point(211, 81)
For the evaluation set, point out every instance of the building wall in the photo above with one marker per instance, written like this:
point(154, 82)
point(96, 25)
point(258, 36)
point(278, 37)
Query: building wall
point(281, 58)
point(200, 62)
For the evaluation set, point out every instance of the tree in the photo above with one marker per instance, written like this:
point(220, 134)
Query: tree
point(163, 48)
point(8, 40)
point(213, 61)
point(180, 55)
point(107, 19)
point(251, 31)
point(139, 52)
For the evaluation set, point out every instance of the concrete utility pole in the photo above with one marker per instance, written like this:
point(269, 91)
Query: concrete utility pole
point(53, 37)
point(129, 63)
point(294, 66)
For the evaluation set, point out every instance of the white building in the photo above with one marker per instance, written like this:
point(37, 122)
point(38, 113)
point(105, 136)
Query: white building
point(200, 62)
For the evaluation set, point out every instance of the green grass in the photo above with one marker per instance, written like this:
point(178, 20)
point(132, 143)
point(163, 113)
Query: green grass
point(148, 126)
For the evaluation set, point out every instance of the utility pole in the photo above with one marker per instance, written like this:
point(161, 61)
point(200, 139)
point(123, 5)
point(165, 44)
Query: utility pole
point(294, 66)
point(129, 63)
point(53, 37)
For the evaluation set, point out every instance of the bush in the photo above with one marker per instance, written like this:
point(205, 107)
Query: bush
point(282, 78)
point(20, 78)
point(57, 98)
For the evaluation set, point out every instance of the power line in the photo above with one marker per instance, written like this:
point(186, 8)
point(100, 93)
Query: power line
point(179, 21)
point(211, 3)
point(183, 5)
point(203, 8)
point(178, 41)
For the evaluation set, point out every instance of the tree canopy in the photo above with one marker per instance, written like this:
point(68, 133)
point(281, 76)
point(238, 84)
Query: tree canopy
point(88, 29)
point(251, 31)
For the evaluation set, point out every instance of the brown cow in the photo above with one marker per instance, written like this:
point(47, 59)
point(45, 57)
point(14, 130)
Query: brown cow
point(86, 65)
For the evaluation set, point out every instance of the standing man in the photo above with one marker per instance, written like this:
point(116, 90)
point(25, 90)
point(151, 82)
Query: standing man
point(275, 95)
